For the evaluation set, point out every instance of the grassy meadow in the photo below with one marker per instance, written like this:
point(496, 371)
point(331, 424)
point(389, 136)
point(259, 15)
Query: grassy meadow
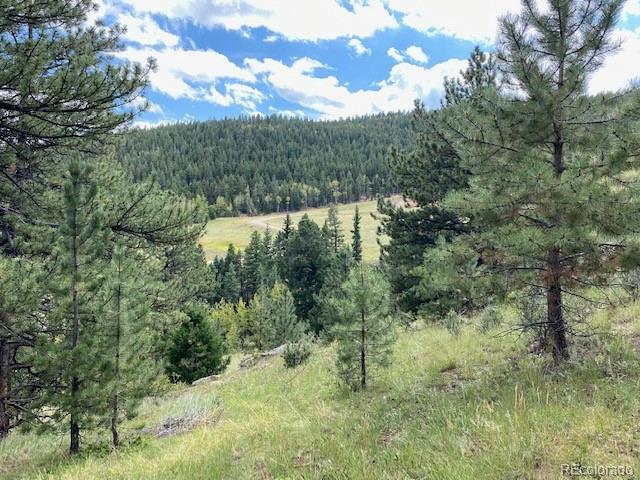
point(237, 230)
point(471, 406)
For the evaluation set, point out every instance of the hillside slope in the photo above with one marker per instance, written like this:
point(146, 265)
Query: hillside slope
point(471, 406)
point(255, 165)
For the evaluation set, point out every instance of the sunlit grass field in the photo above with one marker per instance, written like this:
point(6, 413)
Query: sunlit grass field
point(470, 406)
point(237, 230)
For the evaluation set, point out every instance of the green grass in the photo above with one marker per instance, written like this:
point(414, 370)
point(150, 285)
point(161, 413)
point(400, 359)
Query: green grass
point(471, 406)
point(237, 230)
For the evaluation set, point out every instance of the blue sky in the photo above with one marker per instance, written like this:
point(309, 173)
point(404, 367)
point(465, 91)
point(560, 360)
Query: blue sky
point(321, 59)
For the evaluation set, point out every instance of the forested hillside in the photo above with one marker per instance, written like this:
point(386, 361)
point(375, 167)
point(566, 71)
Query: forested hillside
point(262, 165)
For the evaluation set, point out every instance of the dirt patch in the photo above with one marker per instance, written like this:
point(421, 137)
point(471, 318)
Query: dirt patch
point(451, 379)
point(263, 471)
point(302, 459)
point(634, 340)
point(386, 437)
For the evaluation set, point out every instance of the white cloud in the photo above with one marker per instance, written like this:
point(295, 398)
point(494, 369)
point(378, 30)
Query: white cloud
point(631, 8)
point(294, 19)
point(154, 108)
point(474, 20)
point(359, 47)
point(331, 99)
point(236, 94)
point(214, 96)
point(145, 31)
point(417, 54)
point(188, 73)
point(140, 102)
point(146, 124)
point(101, 9)
point(287, 113)
point(395, 54)
point(620, 68)
point(245, 96)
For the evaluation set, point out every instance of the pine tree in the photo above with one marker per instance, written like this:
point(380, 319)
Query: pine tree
point(132, 370)
point(272, 318)
point(67, 95)
point(424, 174)
point(365, 330)
point(234, 258)
point(253, 262)
point(326, 234)
point(21, 291)
point(287, 228)
point(268, 271)
point(334, 227)
point(356, 240)
point(197, 348)
point(75, 367)
point(231, 289)
point(281, 243)
point(141, 217)
point(305, 265)
point(546, 160)
point(481, 72)
point(267, 244)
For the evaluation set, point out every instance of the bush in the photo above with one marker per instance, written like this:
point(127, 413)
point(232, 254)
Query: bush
point(453, 322)
point(297, 353)
point(197, 348)
point(233, 318)
point(489, 318)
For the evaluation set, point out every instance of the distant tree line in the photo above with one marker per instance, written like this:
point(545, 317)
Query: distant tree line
point(273, 164)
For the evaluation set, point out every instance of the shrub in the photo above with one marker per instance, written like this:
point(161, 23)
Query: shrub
point(233, 318)
point(490, 317)
point(453, 322)
point(197, 348)
point(297, 353)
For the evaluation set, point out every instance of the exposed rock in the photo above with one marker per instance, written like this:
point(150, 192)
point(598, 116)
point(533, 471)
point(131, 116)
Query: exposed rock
point(252, 360)
point(209, 379)
point(176, 425)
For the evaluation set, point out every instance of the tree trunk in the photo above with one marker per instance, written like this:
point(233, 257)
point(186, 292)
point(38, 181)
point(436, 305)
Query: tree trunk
point(555, 317)
point(5, 356)
point(363, 364)
point(115, 399)
point(74, 432)
point(114, 422)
